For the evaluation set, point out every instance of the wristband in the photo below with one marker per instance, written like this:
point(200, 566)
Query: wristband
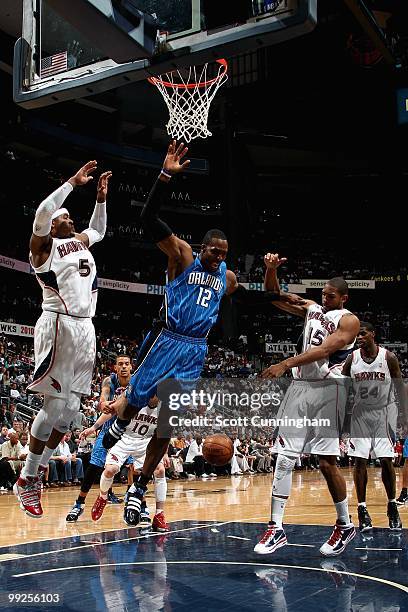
point(165, 173)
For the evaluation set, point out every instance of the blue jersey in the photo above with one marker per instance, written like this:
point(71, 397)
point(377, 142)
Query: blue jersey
point(192, 300)
point(99, 453)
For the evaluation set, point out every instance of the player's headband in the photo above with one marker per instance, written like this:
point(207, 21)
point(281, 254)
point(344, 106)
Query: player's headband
point(60, 211)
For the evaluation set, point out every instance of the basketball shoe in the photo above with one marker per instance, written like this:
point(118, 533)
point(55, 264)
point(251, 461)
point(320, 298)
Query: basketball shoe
point(394, 519)
point(159, 523)
point(403, 497)
point(98, 508)
point(272, 539)
point(364, 519)
point(341, 535)
point(75, 512)
point(145, 520)
point(133, 504)
point(28, 492)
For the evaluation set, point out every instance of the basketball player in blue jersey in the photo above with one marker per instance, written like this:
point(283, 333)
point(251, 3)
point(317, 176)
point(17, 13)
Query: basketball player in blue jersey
point(112, 386)
point(177, 348)
point(318, 391)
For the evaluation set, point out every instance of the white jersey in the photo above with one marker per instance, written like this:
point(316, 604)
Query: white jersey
point(318, 326)
point(372, 382)
point(68, 279)
point(141, 429)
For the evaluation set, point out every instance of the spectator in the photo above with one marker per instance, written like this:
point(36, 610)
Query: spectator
point(3, 434)
point(14, 392)
point(11, 451)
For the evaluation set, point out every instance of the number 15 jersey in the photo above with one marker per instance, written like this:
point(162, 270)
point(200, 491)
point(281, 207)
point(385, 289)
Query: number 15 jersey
point(68, 279)
point(318, 326)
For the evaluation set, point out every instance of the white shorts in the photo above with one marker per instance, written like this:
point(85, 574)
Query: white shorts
point(373, 432)
point(64, 349)
point(122, 450)
point(302, 428)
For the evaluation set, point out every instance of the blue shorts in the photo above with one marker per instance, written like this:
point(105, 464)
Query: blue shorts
point(405, 449)
point(98, 455)
point(163, 355)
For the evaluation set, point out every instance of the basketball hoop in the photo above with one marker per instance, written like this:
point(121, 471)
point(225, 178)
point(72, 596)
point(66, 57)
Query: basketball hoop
point(188, 93)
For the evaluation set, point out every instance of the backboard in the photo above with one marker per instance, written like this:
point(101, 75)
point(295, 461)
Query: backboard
point(55, 61)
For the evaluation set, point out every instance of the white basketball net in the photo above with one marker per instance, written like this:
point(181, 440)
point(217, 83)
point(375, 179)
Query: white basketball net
point(188, 95)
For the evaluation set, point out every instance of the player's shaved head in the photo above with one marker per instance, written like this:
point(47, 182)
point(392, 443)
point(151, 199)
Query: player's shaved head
point(213, 233)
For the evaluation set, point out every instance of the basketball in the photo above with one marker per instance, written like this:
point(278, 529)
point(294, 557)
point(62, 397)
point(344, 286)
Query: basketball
point(218, 449)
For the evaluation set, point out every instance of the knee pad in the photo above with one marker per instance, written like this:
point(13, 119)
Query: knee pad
point(45, 420)
point(68, 413)
point(282, 478)
point(160, 489)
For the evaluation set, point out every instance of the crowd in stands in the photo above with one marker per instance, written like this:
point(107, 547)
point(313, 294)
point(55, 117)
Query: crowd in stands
point(235, 372)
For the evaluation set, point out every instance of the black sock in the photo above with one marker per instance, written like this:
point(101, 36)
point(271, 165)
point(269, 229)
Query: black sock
point(404, 490)
point(121, 422)
point(110, 492)
point(80, 500)
point(142, 480)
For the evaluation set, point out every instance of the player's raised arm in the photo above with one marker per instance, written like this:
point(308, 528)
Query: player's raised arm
point(177, 250)
point(97, 225)
point(289, 302)
point(256, 298)
point(50, 208)
point(346, 332)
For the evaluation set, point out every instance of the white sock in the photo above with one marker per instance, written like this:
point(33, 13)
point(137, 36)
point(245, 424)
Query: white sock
point(343, 512)
point(46, 456)
point(391, 501)
point(31, 466)
point(278, 509)
point(362, 504)
point(105, 485)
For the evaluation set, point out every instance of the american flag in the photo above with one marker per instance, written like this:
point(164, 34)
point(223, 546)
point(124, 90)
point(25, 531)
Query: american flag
point(53, 64)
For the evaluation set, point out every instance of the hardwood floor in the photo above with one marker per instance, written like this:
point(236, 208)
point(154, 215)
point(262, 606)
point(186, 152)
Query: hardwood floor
point(237, 498)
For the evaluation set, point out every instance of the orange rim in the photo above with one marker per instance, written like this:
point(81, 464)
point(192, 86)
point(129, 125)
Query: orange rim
point(157, 80)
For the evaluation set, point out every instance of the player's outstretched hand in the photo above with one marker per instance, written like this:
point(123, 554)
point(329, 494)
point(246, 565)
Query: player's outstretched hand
point(83, 176)
point(273, 261)
point(86, 432)
point(102, 189)
point(275, 371)
point(173, 163)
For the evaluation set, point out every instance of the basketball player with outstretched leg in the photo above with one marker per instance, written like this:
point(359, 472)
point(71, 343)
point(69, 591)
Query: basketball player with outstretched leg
point(318, 391)
point(375, 374)
point(134, 443)
point(112, 387)
point(64, 338)
point(177, 347)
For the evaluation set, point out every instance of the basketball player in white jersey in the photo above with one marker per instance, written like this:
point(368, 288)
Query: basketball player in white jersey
point(317, 392)
point(373, 370)
point(134, 442)
point(64, 339)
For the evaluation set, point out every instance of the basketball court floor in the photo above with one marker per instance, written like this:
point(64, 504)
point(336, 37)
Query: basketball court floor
point(207, 561)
